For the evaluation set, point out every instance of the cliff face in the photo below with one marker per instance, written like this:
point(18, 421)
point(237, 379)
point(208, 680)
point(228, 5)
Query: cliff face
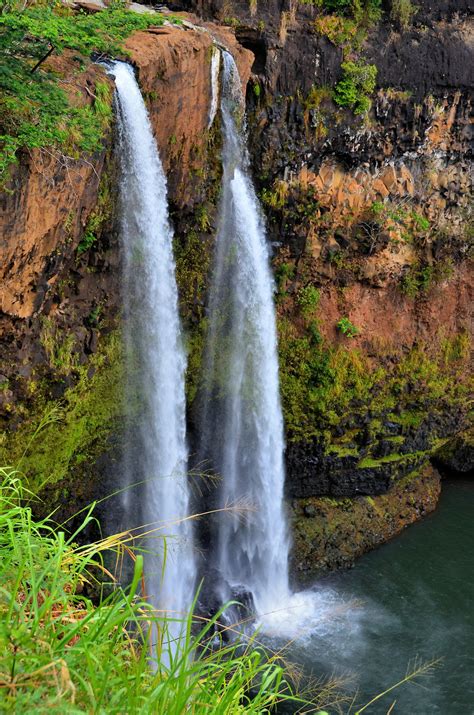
point(370, 217)
point(60, 372)
point(174, 72)
point(373, 226)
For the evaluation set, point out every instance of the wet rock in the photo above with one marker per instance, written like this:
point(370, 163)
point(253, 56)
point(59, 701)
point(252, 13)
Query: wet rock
point(92, 342)
point(340, 531)
point(382, 448)
point(393, 428)
point(458, 454)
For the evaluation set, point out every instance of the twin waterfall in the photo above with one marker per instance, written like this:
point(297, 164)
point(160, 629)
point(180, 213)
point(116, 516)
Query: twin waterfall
point(241, 422)
point(154, 358)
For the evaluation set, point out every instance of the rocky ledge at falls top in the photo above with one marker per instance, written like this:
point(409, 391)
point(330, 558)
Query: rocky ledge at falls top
point(370, 219)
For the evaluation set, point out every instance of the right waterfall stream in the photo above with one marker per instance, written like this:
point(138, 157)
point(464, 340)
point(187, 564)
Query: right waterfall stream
point(242, 424)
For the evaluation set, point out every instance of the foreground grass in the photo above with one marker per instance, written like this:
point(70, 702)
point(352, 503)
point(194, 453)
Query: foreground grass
point(60, 651)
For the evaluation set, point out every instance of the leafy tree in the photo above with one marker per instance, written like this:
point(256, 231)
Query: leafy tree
point(35, 111)
point(357, 83)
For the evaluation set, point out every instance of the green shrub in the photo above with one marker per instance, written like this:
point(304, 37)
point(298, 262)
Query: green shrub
point(308, 299)
point(316, 96)
point(340, 31)
point(86, 242)
point(364, 12)
point(421, 223)
point(356, 86)
point(99, 216)
point(420, 278)
point(276, 197)
point(347, 328)
point(35, 111)
point(284, 273)
point(413, 225)
point(402, 12)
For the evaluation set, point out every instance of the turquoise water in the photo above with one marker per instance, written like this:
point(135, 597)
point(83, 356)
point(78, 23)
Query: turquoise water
point(415, 600)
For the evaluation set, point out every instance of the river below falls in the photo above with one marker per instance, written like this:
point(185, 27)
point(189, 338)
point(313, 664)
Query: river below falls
point(411, 599)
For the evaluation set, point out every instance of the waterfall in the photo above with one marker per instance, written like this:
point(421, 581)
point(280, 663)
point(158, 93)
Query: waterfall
point(241, 418)
point(155, 359)
point(215, 66)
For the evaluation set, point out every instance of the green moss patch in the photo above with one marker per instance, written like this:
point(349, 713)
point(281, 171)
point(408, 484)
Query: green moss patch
point(60, 435)
point(370, 463)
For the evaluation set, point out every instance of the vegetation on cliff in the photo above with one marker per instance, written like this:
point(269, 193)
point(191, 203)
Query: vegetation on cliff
point(356, 86)
point(363, 399)
point(38, 106)
point(59, 438)
point(323, 384)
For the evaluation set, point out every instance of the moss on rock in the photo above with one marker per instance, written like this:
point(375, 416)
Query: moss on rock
point(331, 533)
point(59, 435)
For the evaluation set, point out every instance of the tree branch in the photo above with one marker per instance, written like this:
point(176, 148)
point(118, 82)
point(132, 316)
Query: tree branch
point(40, 62)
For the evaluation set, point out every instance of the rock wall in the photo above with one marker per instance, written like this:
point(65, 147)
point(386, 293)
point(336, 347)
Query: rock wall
point(370, 219)
point(372, 226)
point(329, 533)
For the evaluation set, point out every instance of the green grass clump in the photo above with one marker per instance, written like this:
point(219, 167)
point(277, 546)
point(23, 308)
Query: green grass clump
point(35, 110)
point(342, 451)
point(60, 651)
point(355, 87)
point(369, 462)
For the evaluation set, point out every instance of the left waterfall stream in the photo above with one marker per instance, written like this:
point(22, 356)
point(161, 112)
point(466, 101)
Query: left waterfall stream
point(155, 484)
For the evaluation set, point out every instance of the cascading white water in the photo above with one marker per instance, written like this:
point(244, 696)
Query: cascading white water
point(155, 359)
point(215, 66)
point(242, 418)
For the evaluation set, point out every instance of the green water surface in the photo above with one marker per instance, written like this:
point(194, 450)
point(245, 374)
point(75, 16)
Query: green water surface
point(416, 598)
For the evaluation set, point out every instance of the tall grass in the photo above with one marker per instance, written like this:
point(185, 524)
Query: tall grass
point(60, 651)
